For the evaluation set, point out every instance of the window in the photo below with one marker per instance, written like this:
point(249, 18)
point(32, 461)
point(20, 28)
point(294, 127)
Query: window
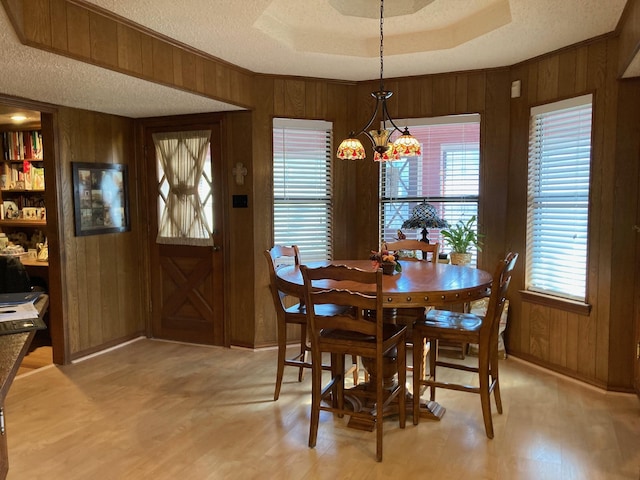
point(185, 199)
point(302, 186)
point(558, 198)
point(447, 175)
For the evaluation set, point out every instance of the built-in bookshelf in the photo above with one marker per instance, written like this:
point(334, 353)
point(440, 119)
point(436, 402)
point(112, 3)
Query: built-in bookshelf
point(22, 208)
point(22, 145)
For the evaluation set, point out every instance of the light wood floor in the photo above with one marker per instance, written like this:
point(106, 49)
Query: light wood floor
point(40, 356)
point(159, 410)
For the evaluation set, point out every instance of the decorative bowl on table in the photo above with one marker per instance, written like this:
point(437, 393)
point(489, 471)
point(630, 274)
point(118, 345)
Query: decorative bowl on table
point(386, 260)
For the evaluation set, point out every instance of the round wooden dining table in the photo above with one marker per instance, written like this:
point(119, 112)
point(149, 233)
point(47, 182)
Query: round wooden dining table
point(419, 284)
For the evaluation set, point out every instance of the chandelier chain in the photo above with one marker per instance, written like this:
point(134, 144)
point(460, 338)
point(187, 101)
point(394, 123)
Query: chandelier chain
point(381, 44)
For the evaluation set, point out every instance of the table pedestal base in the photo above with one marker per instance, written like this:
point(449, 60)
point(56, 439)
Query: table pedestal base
point(362, 396)
point(429, 410)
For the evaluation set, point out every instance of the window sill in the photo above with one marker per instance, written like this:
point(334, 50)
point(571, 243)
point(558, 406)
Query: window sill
point(555, 302)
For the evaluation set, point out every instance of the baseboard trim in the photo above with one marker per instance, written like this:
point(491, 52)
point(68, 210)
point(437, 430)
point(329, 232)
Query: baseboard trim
point(592, 386)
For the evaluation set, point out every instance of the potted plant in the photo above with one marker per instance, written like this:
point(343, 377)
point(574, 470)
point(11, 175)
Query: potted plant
point(461, 237)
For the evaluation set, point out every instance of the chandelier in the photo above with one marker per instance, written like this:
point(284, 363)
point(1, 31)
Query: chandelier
point(406, 145)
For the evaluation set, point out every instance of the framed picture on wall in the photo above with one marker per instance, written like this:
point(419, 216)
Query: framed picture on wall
point(100, 198)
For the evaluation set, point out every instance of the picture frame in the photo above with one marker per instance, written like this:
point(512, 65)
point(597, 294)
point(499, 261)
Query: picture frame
point(100, 198)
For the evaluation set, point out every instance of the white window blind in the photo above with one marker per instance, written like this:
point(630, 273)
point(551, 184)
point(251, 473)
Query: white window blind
point(447, 175)
point(302, 186)
point(558, 198)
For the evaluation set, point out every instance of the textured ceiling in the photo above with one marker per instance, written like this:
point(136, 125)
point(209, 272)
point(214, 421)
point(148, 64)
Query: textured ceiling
point(235, 31)
point(38, 75)
point(308, 38)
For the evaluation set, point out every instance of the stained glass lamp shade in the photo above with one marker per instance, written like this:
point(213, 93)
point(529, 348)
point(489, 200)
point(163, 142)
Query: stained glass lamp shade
point(424, 215)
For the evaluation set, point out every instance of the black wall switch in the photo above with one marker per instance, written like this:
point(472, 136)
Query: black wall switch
point(240, 201)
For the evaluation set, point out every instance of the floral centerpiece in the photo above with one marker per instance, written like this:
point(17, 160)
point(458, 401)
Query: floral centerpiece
point(387, 260)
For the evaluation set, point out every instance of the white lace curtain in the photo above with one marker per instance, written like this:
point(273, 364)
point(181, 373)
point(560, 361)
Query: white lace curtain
point(182, 156)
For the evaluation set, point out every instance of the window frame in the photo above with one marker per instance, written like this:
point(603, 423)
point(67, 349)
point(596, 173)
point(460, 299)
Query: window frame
point(442, 201)
point(536, 291)
point(310, 248)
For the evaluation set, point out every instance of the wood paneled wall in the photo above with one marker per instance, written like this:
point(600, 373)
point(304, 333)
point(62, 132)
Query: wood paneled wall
point(239, 222)
point(577, 343)
point(581, 346)
point(594, 347)
point(104, 304)
point(302, 99)
point(88, 33)
point(484, 92)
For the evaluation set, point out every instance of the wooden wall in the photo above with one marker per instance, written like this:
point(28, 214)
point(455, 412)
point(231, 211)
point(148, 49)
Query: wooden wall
point(302, 99)
point(558, 336)
point(239, 257)
point(88, 33)
point(484, 92)
point(590, 345)
point(561, 335)
point(103, 300)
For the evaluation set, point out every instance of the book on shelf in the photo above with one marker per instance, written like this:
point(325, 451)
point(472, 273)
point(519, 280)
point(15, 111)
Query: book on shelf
point(37, 178)
point(21, 176)
point(22, 145)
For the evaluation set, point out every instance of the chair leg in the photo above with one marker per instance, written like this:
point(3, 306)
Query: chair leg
point(282, 353)
point(485, 395)
point(493, 370)
point(433, 358)
point(339, 385)
point(303, 350)
point(379, 407)
point(423, 364)
point(402, 381)
point(356, 369)
point(496, 394)
point(316, 392)
point(418, 369)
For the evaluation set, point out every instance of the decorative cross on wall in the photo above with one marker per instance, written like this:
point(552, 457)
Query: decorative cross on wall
point(239, 172)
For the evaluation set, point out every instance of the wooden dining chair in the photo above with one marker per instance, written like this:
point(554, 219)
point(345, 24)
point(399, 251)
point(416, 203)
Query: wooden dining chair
point(353, 333)
point(293, 313)
point(419, 250)
point(467, 327)
point(412, 250)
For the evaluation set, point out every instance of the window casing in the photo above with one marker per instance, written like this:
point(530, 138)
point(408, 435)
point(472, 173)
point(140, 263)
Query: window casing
point(185, 187)
point(302, 186)
point(558, 198)
point(447, 175)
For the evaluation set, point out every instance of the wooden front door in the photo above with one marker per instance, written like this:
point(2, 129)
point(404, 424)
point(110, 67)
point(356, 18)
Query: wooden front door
point(187, 292)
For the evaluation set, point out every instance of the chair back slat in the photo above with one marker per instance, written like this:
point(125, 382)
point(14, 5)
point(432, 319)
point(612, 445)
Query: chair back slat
point(499, 289)
point(277, 257)
point(429, 250)
point(342, 285)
